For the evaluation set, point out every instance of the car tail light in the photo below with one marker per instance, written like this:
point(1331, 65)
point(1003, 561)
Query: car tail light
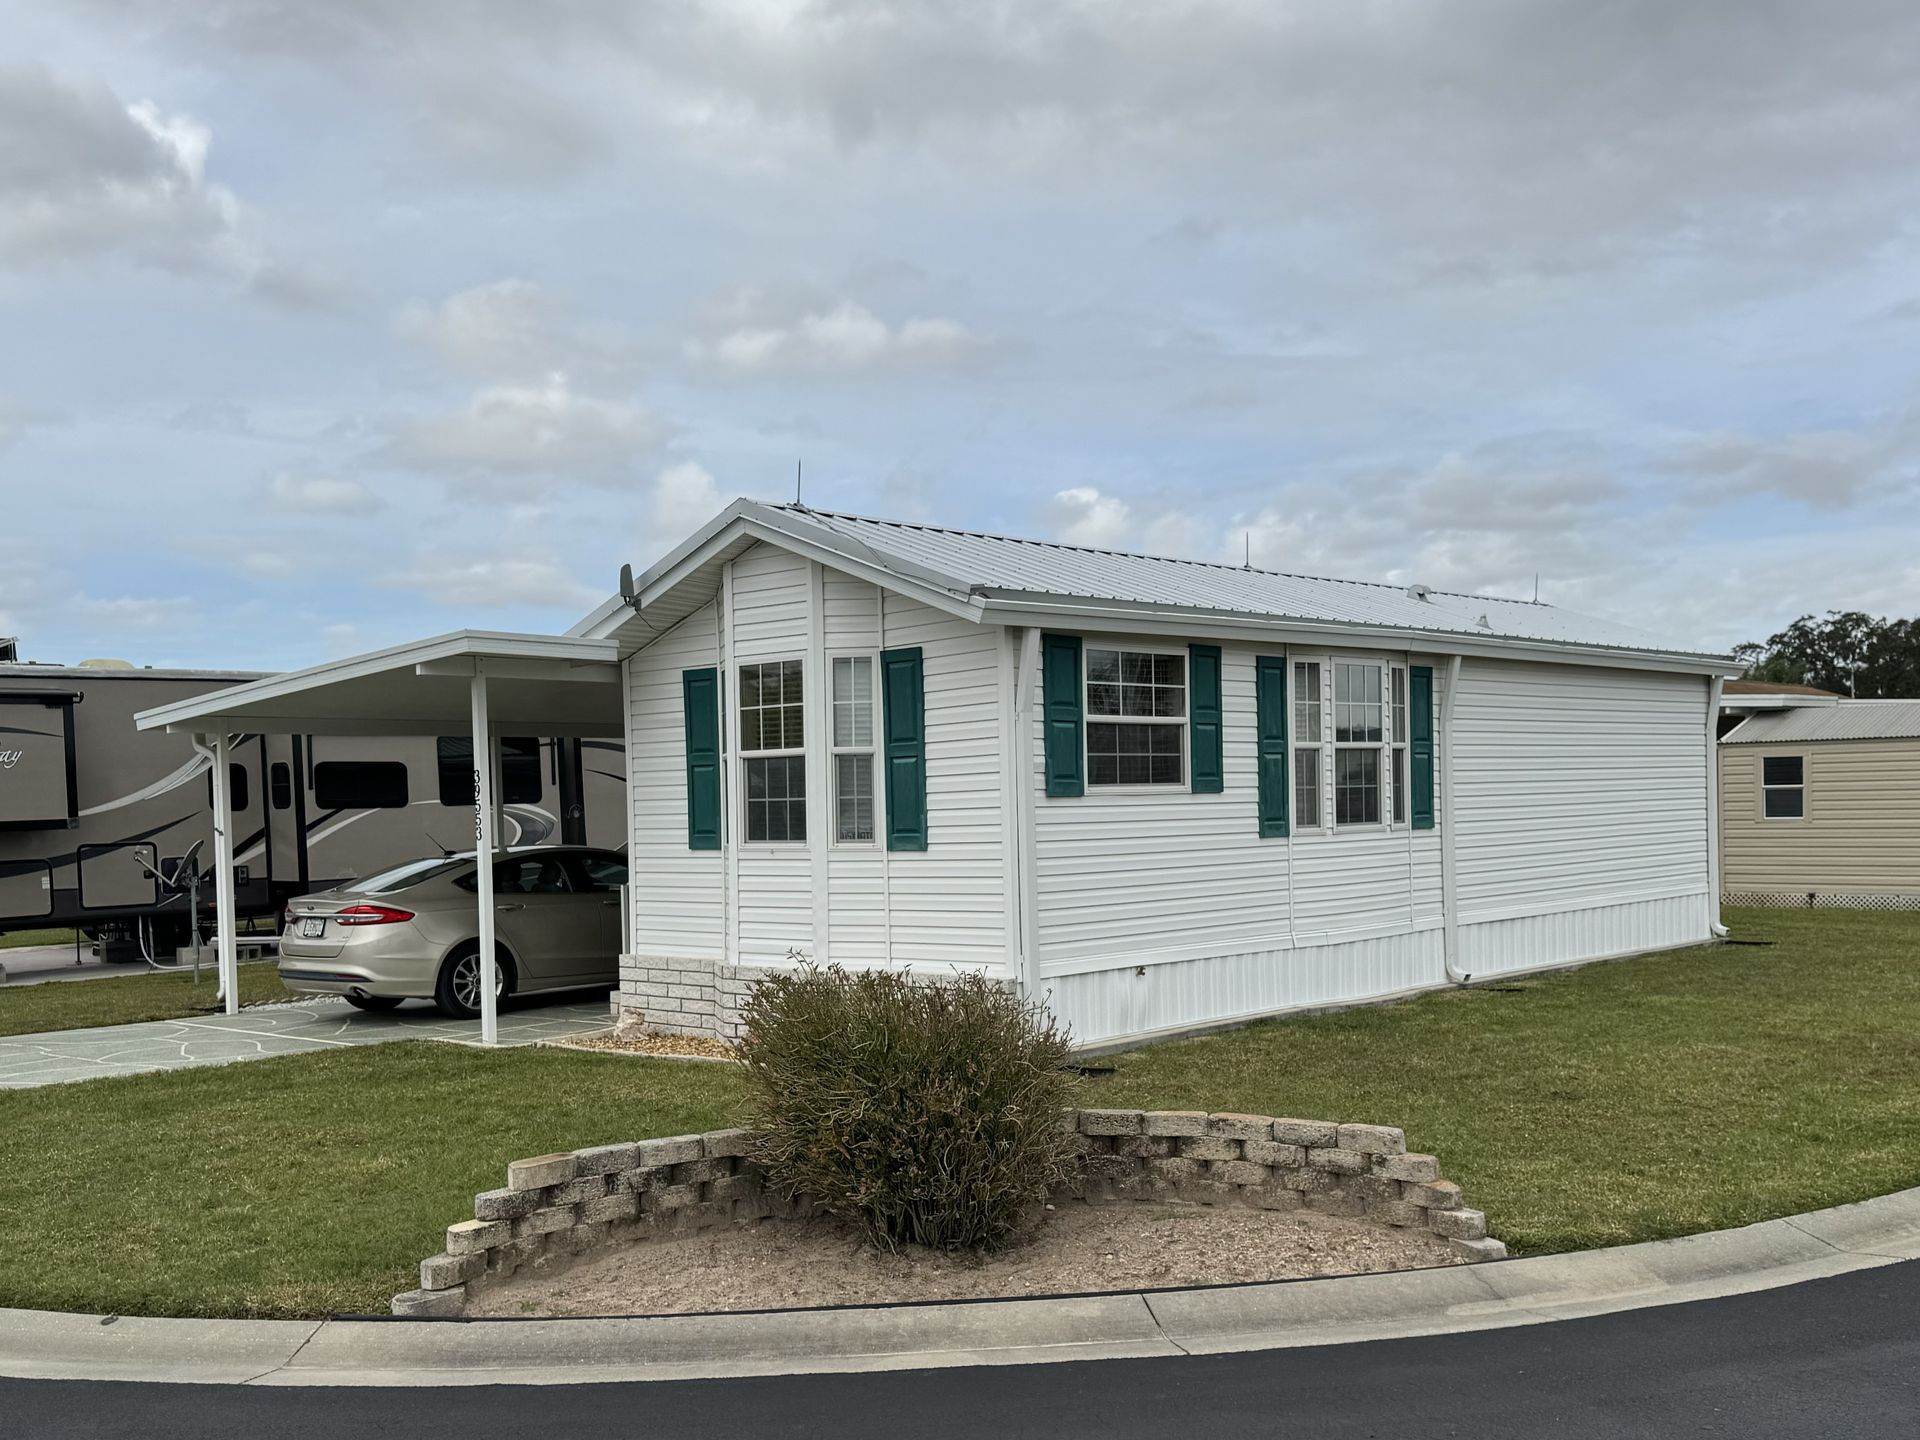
point(286, 918)
point(370, 915)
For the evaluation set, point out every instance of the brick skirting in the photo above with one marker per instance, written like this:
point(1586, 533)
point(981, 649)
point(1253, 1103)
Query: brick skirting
point(556, 1208)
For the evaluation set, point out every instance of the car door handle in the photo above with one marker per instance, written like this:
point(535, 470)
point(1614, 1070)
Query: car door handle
point(610, 903)
point(513, 906)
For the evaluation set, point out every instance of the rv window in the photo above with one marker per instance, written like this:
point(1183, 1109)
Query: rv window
point(360, 785)
point(280, 785)
point(519, 770)
point(236, 788)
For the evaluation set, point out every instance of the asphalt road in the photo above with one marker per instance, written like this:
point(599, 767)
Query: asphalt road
point(1837, 1357)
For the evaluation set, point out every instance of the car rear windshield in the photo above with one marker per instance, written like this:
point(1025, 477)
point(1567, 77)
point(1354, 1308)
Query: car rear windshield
point(400, 877)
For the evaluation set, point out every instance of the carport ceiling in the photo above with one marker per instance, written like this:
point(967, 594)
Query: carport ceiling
point(549, 685)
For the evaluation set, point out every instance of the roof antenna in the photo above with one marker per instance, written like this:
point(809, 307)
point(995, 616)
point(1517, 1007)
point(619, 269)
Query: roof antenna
point(796, 481)
point(1536, 587)
point(1248, 564)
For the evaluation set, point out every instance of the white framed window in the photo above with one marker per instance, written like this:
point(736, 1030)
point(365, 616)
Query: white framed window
point(1783, 787)
point(773, 752)
point(1307, 741)
point(1397, 736)
point(1359, 742)
point(855, 807)
point(1136, 717)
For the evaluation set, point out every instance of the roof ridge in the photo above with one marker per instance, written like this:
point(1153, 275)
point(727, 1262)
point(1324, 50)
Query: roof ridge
point(802, 509)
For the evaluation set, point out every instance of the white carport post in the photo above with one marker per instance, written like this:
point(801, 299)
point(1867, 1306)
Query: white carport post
point(225, 922)
point(484, 840)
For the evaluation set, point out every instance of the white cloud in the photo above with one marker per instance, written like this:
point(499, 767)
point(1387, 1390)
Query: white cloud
point(1828, 469)
point(1083, 516)
point(321, 494)
point(128, 612)
point(845, 336)
point(495, 581)
point(544, 429)
point(684, 499)
point(515, 329)
point(82, 174)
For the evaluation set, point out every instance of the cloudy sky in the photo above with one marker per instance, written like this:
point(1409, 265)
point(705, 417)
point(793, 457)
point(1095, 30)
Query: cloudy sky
point(330, 323)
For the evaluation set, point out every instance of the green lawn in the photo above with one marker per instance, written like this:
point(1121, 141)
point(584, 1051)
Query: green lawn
point(1653, 1097)
point(20, 939)
point(141, 995)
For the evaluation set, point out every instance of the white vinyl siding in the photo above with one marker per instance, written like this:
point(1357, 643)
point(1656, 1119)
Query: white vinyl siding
point(677, 893)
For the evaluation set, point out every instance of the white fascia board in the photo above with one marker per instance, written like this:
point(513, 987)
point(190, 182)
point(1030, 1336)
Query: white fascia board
point(1069, 612)
point(375, 662)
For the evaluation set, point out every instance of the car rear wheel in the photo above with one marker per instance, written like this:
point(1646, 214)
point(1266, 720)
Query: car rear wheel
point(374, 1003)
point(457, 992)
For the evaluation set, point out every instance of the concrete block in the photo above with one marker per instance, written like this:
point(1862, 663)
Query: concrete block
point(1307, 1180)
point(623, 1205)
point(719, 1144)
point(575, 1192)
point(1396, 1212)
point(1333, 1202)
point(734, 1187)
point(544, 1222)
point(470, 1237)
point(582, 1238)
point(1107, 1167)
point(1439, 1195)
point(1177, 1169)
point(1337, 1161)
point(669, 1197)
point(698, 1172)
point(1239, 1172)
point(1176, 1122)
point(1112, 1122)
point(676, 1150)
point(650, 1178)
point(1461, 1224)
point(1210, 1147)
point(505, 1204)
point(1208, 1192)
point(540, 1172)
point(1272, 1152)
point(1143, 1147)
point(437, 1303)
point(443, 1272)
point(1421, 1169)
point(606, 1159)
point(704, 1216)
point(1473, 1251)
point(1373, 1139)
point(1229, 1126)
point(1274, 1197)
point(1311, 1134)
point(1371, 1187)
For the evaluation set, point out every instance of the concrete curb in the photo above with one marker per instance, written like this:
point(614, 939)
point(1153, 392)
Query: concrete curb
point(39, 1344)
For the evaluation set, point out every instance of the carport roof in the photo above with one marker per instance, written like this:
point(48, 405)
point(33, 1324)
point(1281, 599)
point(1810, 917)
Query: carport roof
point(550, 685)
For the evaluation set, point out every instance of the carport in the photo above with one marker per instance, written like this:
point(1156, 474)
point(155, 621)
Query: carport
point(483, 683)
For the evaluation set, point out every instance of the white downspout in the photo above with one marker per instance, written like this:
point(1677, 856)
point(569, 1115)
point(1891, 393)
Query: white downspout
point(1714, 925)
point(483, 835)
point(1449, 811)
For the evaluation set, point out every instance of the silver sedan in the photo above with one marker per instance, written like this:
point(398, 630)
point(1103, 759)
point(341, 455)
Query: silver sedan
point(412, 932)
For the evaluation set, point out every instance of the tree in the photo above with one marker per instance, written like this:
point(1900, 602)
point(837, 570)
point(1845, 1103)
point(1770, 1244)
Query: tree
point(1847, 651)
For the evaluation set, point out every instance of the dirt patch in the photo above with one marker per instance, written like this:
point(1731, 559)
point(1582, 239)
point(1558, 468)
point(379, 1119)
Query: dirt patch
point(633, 1042)
point(773, 1264)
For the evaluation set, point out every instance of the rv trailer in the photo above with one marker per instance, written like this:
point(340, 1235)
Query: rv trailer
point(91, 808)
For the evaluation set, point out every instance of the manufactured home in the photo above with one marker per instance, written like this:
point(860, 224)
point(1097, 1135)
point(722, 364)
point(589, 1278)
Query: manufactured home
point(1161, 794)
point(1820, 805)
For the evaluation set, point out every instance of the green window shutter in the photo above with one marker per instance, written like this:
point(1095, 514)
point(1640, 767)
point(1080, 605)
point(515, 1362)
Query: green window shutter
point(1203, 690)
point(1420, 745)
point(1270, 715)
point(904, 728)
point(1066, 745)
point(700, 699)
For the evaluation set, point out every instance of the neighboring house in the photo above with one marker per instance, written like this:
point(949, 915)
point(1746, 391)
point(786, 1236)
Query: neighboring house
point(1162, 794)
point(1741, 698)
point(1820, 805)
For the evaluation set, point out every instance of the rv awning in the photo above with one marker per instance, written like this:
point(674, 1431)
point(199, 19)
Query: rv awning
point(553, 685)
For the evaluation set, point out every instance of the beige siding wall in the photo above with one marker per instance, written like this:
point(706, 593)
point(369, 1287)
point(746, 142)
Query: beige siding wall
point(1861, 833)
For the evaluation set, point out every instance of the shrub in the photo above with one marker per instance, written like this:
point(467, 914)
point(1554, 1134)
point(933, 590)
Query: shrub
point(929, 1111)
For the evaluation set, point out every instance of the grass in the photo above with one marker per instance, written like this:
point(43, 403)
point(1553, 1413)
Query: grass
point(303, 1185)
point(1620, 1102)
point(123, 999)
point(20, 939)
point(1654, 1097)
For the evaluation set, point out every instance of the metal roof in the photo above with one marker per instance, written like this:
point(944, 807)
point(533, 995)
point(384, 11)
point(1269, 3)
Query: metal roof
point(999, 565)
point(1847, 720)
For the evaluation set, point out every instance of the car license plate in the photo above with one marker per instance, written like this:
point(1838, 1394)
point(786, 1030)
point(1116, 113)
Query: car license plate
point(312, 929)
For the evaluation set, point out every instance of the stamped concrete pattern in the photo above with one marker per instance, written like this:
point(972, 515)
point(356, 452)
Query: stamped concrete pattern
point(60, 1056)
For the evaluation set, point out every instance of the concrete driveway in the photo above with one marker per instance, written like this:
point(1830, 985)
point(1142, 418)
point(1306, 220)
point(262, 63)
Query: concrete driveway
point(58, 1056)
